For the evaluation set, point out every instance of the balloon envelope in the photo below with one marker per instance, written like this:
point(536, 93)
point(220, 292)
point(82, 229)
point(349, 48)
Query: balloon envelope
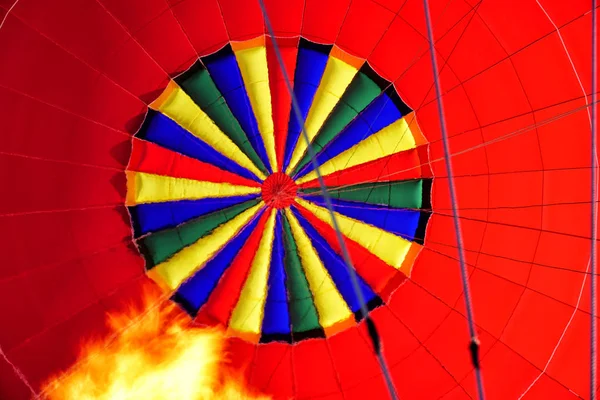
point(155, 142)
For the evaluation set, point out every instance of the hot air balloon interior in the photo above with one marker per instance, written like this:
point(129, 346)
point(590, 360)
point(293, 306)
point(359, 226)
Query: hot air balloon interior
point(299, 199)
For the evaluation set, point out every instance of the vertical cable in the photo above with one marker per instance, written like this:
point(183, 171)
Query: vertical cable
point(371, 328)
point(474, 343)
point(594, 216)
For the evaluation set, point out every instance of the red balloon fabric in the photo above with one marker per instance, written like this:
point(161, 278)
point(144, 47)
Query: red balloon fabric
point(76, 80)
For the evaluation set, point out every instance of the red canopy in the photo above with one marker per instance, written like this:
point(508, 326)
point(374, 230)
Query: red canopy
point(76, 78)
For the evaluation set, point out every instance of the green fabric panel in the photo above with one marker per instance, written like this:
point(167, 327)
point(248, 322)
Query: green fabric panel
point(303, 313)
point(159, 246)
point(201, 88)
point(359, 94)
point(400, 194)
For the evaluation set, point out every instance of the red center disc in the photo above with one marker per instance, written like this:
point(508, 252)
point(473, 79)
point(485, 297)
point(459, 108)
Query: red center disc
point(279, 190)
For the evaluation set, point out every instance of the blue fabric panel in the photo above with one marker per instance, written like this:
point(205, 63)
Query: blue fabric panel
point(310, 66)
point(225, 72)
point(336, 267)
point(399, 221)
point(380, 113)
point(167, 133)
point(277, 317)
point(151, 217)
point(194, 292)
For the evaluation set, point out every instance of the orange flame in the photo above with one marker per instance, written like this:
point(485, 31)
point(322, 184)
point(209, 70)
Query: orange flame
point(157, 356)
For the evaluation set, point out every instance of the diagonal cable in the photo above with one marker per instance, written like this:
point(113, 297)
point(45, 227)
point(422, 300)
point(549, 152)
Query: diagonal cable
point(594, 214)
point(474, 343)
point(372, 329)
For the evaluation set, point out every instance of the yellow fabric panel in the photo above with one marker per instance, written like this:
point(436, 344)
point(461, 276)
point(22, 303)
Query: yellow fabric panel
point(336, 78)
point(246, 44)
point(392, 139)
point(420, 139)
point(177, 105)
point(150, 188)
point(330, 304)
point(182, 265)
point(388, 247)
point(248, 314)
point(255, 73)
point(348, 58)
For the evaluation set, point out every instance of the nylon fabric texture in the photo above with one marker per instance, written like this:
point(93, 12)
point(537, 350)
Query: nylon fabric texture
point(138, 137)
